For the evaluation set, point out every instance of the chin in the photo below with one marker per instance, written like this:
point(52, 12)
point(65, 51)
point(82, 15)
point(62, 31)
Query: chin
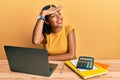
point(60, 25)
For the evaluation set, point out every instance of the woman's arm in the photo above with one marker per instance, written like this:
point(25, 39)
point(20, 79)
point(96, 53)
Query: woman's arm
point(37, 33)
point(71, 49)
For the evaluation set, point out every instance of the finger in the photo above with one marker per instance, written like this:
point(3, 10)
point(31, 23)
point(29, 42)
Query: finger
point(60, 7)
point(57, 9)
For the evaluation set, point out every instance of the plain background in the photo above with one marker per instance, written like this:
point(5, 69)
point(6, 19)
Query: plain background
point(96, 23)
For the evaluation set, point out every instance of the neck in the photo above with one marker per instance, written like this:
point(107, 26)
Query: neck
point(55, 30)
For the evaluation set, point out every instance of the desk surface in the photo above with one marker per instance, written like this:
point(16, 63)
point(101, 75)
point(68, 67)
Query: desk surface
point(67, 73)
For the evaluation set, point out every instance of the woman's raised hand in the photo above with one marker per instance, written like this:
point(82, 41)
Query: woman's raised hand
point(51, 10)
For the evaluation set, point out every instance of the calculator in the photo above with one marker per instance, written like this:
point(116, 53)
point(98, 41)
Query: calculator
point(85, 62)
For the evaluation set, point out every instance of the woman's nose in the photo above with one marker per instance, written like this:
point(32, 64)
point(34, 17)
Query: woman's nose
point(59, 16)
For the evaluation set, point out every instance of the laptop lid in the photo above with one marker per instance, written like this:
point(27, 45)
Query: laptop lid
point(29, 60)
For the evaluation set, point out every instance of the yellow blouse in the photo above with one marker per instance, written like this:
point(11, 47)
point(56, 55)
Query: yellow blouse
point(57, 42)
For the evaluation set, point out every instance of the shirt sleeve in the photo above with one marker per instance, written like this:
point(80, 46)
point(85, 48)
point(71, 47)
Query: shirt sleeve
point(68, 29)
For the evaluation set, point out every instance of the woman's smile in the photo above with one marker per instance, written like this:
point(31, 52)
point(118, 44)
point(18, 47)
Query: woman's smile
point(59, 21)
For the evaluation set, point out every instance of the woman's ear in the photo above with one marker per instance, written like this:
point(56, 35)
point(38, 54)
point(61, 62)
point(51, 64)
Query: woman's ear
point(46, 22)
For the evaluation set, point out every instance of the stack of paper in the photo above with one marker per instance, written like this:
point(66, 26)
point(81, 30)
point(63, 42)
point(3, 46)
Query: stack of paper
point(98, 69)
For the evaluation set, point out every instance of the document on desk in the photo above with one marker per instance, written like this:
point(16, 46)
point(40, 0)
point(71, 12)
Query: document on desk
point(97, 70)
point(74, 62)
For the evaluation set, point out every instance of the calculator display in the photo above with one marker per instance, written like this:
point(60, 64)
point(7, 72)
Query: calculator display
point(85, 62)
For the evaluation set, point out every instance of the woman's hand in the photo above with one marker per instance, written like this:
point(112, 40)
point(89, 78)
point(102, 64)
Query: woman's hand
point(51, 10)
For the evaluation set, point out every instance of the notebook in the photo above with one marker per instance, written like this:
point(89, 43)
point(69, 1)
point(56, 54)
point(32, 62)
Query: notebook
point(29, 60)
point(105, 66)
point(84, 73)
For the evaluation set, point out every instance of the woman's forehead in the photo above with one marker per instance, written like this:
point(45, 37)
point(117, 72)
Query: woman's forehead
point(53, 8)
point(57, 12)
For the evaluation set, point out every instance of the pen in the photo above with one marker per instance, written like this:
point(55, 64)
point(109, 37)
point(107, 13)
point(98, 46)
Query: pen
point(62, 69)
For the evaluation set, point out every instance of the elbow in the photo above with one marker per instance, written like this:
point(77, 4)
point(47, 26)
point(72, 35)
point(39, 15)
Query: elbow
point(35, 42)
point(72, 56)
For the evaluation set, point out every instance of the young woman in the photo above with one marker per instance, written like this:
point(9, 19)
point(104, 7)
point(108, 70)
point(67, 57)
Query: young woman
point(57, 39)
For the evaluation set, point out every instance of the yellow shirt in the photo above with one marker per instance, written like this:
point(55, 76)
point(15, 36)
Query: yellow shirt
point(57, 42)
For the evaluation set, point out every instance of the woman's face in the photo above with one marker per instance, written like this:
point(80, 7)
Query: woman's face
point(55, 20)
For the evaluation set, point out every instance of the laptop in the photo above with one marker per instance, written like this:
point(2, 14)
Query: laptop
point(29, 60)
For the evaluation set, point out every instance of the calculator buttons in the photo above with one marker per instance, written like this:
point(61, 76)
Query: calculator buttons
point(85, 62)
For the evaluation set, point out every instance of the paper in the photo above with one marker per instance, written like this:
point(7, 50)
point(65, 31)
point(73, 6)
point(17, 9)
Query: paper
point(74, 62)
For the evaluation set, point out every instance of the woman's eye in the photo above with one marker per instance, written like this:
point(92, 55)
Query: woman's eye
point(52, 16)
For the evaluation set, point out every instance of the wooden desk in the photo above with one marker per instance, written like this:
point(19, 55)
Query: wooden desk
point(67, 73)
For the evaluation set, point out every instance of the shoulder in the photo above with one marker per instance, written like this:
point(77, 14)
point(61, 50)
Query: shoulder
point(68, 27)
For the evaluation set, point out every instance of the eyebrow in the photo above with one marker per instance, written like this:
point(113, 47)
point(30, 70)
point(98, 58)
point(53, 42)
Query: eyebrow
point(53, 13)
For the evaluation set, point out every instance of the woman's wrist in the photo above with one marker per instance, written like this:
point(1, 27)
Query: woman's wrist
point(41, 18)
